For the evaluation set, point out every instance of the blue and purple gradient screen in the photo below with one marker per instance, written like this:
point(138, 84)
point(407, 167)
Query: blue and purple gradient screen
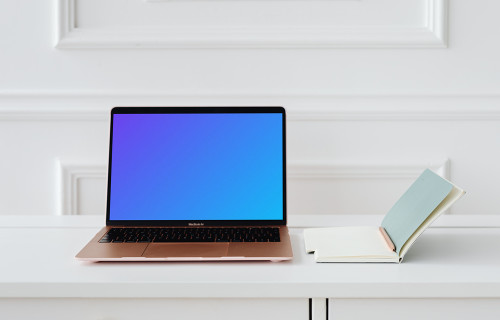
point(197, 167)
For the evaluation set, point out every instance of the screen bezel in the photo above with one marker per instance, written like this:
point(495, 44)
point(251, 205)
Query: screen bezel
point(195, 110)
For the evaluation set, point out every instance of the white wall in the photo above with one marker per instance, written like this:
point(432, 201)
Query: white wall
point(375, 90)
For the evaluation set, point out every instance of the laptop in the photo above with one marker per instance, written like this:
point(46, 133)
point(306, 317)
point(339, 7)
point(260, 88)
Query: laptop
point(195, 184)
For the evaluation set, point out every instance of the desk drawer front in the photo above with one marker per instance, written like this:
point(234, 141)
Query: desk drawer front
point(414, 309)
point(153, 309)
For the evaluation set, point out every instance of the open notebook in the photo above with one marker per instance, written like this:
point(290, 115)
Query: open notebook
point(427, 198)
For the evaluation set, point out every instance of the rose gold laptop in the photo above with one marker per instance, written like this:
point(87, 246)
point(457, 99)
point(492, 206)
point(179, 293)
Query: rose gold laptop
point(195, 184)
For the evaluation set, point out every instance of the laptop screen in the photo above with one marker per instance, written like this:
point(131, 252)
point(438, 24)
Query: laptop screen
point(198, 165)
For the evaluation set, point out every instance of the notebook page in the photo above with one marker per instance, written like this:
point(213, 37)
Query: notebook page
point(453, 196)
point(414, 206)
point(346, 242)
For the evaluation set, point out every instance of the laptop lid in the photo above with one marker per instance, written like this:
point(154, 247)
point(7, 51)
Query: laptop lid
point(193, 166)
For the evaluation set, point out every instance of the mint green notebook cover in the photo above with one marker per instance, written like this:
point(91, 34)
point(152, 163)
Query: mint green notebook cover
point(416, 204)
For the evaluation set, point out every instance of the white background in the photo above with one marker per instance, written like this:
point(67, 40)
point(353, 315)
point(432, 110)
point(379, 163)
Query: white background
point(376, 90)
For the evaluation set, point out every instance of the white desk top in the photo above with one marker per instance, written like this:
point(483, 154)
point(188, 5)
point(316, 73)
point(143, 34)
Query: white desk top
point(38, 261)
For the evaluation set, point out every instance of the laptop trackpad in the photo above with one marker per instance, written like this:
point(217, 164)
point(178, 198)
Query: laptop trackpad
point(159, 250)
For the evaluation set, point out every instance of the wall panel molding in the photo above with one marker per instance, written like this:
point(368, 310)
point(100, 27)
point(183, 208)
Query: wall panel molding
point(354, 188)
point(70, 175)
point(59, 106)
point(432, 34)
point(322, 171)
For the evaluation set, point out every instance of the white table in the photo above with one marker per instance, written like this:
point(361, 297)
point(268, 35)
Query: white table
point(454, 269)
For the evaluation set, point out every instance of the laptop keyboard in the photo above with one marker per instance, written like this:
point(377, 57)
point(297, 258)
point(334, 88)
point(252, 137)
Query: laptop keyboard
point(232, 234)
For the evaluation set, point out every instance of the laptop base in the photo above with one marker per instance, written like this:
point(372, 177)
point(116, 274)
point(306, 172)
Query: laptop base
point(193, 251)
